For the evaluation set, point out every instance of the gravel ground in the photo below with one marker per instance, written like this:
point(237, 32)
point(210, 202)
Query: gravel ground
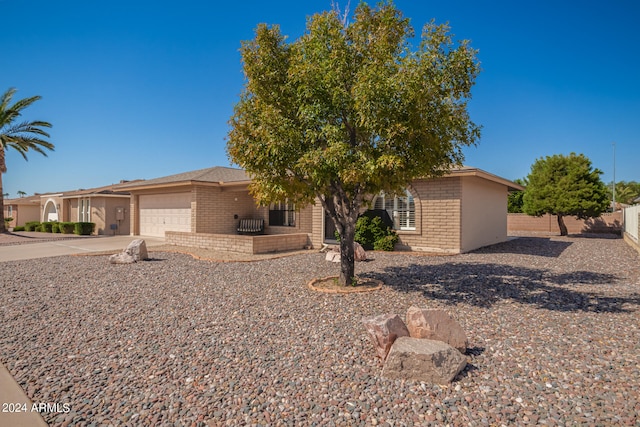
point(553, 326)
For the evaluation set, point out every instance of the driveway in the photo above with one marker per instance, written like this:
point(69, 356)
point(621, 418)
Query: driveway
point(31, 245)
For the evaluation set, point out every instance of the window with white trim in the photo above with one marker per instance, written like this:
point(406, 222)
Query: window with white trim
point(402, 209)
point(282, 214)
point(84, 210)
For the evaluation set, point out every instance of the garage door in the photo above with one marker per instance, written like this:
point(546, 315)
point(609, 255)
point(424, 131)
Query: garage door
point(165, 212)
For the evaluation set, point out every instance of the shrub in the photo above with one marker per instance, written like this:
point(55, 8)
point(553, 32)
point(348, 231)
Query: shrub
point(8, 219)
point(47, 227)
point(386, 243)
point(39, 228)
point(19, 228)
point(31, 225)
point(67, 227)
point(373, 233)
point(55, 227)
point(84, 228)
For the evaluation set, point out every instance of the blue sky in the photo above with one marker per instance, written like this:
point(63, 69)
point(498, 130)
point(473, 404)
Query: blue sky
point(142, 89)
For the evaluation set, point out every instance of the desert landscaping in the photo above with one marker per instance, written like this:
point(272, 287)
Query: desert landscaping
point(551, 322)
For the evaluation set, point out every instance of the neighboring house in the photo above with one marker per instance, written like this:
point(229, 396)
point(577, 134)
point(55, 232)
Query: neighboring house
point(108, 207)
point(461, 211)
point(22, 210)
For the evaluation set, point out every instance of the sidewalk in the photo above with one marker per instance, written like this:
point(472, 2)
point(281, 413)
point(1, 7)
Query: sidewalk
point(15, 406)
point(30, 245)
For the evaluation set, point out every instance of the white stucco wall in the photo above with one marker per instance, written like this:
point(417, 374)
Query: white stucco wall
point(483, 212)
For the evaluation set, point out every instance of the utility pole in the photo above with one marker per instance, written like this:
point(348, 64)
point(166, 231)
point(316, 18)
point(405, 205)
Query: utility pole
point(613, 209)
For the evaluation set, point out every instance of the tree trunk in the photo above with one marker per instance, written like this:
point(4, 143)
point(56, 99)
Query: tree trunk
point(347, 253)
point(2, 223)
point(561, 225)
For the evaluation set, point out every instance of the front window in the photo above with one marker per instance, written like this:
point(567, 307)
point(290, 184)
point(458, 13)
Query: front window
point(84, 210)
point(282, 214)
point(401, 208)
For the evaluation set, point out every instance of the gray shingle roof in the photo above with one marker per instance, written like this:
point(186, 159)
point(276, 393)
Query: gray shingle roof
point(217, 174)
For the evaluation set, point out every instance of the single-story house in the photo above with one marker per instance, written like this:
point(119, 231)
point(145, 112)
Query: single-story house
point(107, 207)
point(459, 212)
point(22, 210)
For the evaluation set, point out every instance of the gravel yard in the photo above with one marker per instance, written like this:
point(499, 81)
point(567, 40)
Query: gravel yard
point(553, 326)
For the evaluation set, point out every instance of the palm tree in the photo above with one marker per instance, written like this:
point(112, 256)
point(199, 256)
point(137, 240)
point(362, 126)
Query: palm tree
point(21, 193)
point(22, 136)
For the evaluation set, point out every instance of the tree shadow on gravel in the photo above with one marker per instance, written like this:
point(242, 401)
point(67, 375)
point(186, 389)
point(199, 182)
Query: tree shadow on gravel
point(484, 285)
point(539, 246)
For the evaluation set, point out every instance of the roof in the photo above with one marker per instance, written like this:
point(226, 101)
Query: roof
point(218, 175)
point(27, 200)
point(107, 190)
point(471, 171)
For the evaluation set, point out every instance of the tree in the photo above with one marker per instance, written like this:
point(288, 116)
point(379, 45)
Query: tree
point(21, 193)
point(350, 109)
point(626, 191)
point(515, 198)
point(565, 185)
point(21, 136)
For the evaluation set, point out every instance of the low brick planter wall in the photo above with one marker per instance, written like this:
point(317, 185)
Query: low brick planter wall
point(261, 244)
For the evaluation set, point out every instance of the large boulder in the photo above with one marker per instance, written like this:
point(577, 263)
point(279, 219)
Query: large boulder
point(134, 252)
point(436, 325)
point(423, 360)
point(121, 258)
point(358, 251)
point(137, 249)
point(384, 329)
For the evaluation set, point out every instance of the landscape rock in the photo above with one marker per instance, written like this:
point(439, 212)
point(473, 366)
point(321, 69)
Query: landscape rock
point(423, 360)
point(384, 329)
point(436, 325)
point(360, 253)
point(121, 258)
point(333, 256)
point(137, 249)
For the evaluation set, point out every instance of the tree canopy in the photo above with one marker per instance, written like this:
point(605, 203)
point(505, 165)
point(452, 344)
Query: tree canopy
point(348, 110)
point(23, 136)
point(565, 185)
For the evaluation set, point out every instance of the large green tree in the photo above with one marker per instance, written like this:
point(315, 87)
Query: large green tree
point(515, 199)
point(565, 186)
point(348, 110)
point(21, 136)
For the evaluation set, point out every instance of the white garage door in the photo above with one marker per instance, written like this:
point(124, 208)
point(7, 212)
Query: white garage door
point(165, 212)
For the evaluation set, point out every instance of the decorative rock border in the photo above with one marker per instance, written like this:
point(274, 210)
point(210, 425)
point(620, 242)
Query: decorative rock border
point(376, 285)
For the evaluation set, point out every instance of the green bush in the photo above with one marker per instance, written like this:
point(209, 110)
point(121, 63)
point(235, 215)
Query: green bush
point(67, 227)
point(31, 225)
point(84, 228)
point(55, 227)
point(373, 233)
point(39, 228)
point(386, 243)
point(47, 227)
point(19, 228)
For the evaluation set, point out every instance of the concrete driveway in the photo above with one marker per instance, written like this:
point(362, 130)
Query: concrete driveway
point(37, 246)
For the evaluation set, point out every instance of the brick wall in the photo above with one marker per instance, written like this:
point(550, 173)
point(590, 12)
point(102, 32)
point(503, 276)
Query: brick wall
point(213, 209)
point(238, 243)
point(437, 216)
point(606, 223)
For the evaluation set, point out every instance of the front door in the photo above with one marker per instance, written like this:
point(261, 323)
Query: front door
point(329, 229)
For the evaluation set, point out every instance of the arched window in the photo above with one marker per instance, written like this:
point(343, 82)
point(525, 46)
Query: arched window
point(401, 208)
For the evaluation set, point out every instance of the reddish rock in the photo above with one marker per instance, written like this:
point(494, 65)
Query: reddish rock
point(436, 325)
point(360, 253)
point(383, 330)
point(423, 360)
